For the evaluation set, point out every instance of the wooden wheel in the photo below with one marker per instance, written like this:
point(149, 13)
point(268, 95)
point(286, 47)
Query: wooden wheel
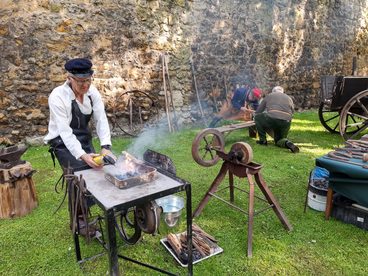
point(329, 118)
point(204, 147)
point(354, 116)
point(132, 110)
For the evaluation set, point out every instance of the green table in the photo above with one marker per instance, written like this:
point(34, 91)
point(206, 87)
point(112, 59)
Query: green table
point(346, 179)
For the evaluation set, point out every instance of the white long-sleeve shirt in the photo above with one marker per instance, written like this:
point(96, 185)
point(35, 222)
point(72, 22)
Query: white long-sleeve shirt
point(60, 105)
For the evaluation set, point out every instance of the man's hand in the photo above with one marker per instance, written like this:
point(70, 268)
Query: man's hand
point(88, 158)
point(108, 152)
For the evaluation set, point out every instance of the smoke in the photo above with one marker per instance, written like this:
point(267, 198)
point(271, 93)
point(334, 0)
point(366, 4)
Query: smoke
point(152, 137)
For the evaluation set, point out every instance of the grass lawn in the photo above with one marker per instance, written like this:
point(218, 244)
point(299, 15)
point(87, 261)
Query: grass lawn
point(41, 242)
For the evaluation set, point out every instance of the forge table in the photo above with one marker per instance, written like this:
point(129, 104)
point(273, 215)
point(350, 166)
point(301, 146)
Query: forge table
point(112, 200)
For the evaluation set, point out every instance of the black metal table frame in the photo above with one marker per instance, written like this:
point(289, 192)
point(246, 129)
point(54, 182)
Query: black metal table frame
point(109, 217)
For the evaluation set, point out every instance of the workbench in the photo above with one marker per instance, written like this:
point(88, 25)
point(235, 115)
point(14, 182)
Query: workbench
point(111, 200)
point(347, 179)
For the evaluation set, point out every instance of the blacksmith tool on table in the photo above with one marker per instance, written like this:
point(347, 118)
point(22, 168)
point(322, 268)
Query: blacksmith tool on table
point(238, 162)
point(345, 158)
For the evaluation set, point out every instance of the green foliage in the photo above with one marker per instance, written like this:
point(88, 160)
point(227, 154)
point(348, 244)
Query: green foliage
point(41, 242)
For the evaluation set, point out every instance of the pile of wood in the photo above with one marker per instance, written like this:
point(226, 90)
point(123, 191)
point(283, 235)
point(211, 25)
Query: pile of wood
point(203, 244)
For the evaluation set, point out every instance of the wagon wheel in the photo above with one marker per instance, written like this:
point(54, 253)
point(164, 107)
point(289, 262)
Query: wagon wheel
point(204, 145)
point(354, 116)
point(133, 109)
point(329, 118)
point(127, 226)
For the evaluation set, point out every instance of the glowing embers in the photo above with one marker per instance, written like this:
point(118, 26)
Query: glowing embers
point(129, 171)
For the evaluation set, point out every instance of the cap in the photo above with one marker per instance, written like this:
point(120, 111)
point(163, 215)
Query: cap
point(79, 67)
point(257, 93)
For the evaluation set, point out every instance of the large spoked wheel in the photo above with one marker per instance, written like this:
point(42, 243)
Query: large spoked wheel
point(204, 147)
point(132, 110)
point(354, 116)
point(329, 118)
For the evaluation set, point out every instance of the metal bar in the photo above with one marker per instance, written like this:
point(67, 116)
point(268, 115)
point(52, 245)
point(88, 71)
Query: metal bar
point(188, 190)
point(231, 186)
point(91, 258)
point(111, 243)
point(250, 215)
point(228, 203)
point(145, 265)
point(244, 191)
point(264, 209)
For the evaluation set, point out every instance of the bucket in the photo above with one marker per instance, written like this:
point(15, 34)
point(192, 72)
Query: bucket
point(172, 206)
point(317, 197)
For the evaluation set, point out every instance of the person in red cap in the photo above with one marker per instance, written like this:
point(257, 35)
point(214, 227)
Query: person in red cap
point(243, 100)
point(253, 98)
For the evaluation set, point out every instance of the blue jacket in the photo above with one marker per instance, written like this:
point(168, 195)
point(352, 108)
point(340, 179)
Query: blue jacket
point(239, 97)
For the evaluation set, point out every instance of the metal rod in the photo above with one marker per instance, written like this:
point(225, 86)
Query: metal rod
point(146, 265)
point(232, 205)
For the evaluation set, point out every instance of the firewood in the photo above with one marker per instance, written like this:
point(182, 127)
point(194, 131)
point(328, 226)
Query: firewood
point(174, 241)
point(199, 248)
point(199, 240)
point(197, 229)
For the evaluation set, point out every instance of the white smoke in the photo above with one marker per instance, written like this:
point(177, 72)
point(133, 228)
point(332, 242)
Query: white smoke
point(152, 137)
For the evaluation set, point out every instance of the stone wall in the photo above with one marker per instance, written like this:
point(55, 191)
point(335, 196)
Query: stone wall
point(262, 42)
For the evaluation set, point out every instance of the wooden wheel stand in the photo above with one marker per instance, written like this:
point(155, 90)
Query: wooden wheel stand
point(17, 191)
point(243, 170)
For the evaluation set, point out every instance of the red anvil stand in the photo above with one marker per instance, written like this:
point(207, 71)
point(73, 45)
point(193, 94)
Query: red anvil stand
point(243, 170)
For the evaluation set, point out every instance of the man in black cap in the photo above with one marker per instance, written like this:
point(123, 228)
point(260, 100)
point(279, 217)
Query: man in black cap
point(71, 107)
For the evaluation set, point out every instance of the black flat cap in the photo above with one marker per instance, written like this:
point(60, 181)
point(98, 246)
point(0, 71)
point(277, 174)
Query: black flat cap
point(79, 67)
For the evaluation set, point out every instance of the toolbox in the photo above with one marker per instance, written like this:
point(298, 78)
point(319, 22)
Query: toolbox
point(350, 212)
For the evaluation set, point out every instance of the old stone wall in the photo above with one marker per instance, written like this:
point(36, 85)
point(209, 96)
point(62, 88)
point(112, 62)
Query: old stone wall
point(264, 43)
point(287, 43)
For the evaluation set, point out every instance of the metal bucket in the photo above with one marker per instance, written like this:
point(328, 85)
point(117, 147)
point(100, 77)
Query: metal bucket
point(172, 206)
point(317, 197)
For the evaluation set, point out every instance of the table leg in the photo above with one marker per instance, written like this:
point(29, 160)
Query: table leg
point(250, 216)
point(212, 189)
point(231, 186)
point(111, 243)
point(328, 203)
point(188, 190)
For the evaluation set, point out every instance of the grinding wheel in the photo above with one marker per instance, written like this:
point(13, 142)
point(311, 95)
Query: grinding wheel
point(242, 152)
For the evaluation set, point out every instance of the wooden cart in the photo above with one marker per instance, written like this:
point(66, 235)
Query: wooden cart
point(344, 105)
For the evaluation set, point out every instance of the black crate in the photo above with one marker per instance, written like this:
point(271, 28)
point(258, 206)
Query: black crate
point(350, 214)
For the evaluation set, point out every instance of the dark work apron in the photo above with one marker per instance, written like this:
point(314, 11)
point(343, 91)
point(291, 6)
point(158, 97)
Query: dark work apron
point(79, 125)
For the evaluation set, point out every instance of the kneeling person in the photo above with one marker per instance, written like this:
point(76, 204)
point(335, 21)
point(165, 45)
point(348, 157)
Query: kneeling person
point(275, 114)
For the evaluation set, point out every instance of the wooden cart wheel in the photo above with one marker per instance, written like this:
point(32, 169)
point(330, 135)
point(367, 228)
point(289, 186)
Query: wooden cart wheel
point(204, 145)
point(132, 110)
point(354, 116)
point(243, 152)
point(329, 118)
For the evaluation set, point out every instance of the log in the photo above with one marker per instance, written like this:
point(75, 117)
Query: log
point(198, 230)
point(174, 241)
point(17, 191)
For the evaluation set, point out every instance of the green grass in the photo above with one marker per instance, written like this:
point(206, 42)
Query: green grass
point(41, 242)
